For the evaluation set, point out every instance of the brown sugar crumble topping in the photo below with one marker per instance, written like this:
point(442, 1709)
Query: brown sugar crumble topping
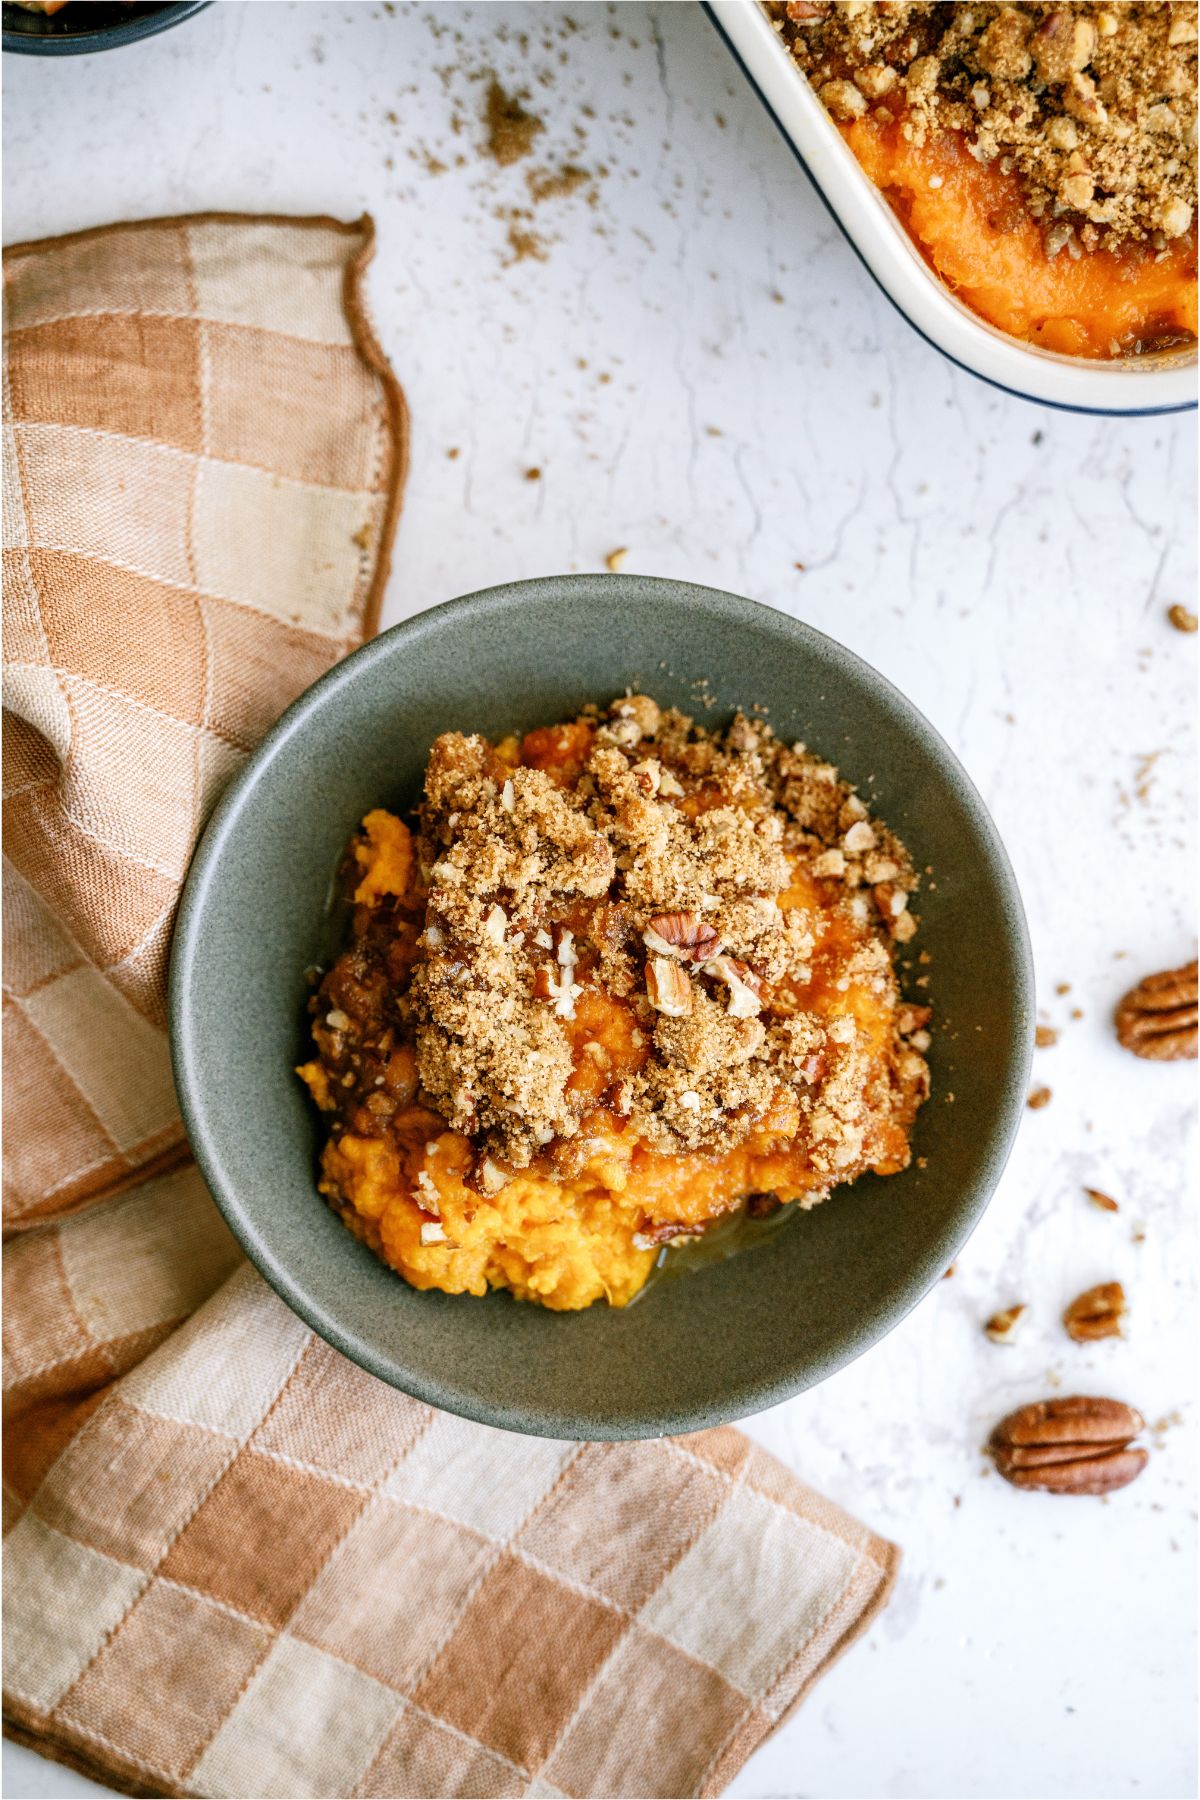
point(1093, 106)
point(616, 978)
point(674, 909)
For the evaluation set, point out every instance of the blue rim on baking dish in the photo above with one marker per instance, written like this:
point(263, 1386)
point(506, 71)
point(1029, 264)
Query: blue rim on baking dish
point(85, 29)
point(714, 1344)
point(1139, 388)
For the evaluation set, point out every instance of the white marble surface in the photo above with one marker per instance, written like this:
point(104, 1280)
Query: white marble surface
point(703, 373)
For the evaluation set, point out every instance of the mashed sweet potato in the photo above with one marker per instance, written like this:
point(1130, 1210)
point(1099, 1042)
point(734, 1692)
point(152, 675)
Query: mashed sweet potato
point(971, 225)
point(539, 1057)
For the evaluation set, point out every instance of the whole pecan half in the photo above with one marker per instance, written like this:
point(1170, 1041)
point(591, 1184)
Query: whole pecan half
point(1157, 1018)
point(1098, 1313)
point(1079, 1445)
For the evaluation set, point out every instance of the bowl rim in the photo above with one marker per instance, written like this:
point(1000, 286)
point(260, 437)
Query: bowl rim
point(738, 1401)
point(1147, 388)
point(107, 36)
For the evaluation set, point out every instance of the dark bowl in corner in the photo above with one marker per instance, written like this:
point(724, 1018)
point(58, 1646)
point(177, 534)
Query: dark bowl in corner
point(713, 1345)
point(84, 26)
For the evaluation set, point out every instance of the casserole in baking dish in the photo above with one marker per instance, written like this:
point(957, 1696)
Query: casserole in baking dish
point(955, 158)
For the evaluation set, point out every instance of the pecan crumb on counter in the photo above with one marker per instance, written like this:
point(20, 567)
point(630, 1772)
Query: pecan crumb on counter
point(1098, 1313)
point(1002, 1326)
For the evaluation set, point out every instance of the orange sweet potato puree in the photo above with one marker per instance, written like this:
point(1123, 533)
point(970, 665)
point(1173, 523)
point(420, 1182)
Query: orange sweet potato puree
point(975, 232)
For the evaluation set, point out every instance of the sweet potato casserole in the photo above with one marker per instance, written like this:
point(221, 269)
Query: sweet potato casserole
point(1042, 157)
point(614, 979)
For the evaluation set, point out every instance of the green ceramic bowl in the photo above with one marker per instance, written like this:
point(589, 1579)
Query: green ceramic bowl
point(709, 1346)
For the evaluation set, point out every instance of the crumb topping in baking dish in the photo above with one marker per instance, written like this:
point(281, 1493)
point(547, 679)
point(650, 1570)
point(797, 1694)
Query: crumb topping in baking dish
point(1017, 141)
point(618, 977)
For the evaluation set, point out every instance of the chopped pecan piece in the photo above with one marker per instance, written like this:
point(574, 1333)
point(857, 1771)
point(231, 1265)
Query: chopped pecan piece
point(650, 1237)
point(641, 711)
point(682, 934)
point(543, 982)
point(1002, 1326)
point(843, 100)
point(1098, 1313)
point(1157, 1018)
point(668, 988)
point(486, 1177)
point(892, 903)
point(1079, 1445)
point(910, 1019)
point(1062, 45)
point(745, 988)
point(762, 1206)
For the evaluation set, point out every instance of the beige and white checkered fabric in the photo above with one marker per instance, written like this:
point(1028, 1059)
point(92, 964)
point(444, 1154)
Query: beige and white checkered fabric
point(254, 1570)
point(235, 1563)
point(203, 451)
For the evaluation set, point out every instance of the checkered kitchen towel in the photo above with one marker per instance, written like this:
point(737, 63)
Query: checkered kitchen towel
point(236, 1564)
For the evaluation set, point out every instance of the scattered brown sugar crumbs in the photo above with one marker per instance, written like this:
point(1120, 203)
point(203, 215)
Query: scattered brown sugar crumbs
point(1144, 775)
point(1045, 1037)
point(526, 245)
point(1040, 1097)
point(1104, 1202)
point(1093, 106)
point(1181, 618)
point(555, 184)
point(646, 859)
point(511, 130)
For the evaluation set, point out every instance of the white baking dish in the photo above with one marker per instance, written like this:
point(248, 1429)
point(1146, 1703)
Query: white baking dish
point(1151, 384)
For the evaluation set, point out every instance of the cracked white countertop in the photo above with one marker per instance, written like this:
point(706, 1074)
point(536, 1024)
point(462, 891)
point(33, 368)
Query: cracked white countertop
point(703, 372)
